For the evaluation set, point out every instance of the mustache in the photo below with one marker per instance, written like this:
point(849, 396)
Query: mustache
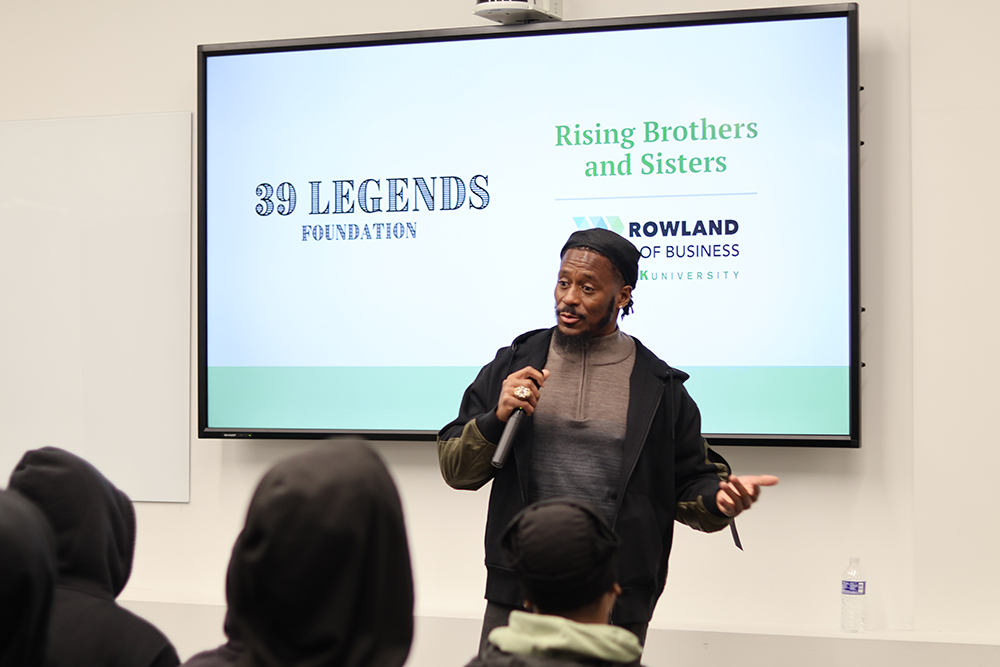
point(569, 310)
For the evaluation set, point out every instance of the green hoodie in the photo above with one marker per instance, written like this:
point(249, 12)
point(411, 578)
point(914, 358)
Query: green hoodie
point(553, 636)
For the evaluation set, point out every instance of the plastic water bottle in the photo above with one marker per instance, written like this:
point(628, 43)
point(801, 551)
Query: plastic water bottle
point(852, 598)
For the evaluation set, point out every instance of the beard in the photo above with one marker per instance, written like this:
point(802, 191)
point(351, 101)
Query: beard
point(576, 342)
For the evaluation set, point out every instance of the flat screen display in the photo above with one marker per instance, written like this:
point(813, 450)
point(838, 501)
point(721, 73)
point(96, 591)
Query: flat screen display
point(380, 213)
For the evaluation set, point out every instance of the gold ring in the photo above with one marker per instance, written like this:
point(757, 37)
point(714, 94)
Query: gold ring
point(522, 392)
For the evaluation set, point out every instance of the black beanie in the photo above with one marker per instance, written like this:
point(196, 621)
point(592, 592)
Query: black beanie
point(563, 553)
point(619, 250)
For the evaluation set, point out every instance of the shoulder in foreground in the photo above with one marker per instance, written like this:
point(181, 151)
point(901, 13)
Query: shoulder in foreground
point(494, 657)
point(226, 655)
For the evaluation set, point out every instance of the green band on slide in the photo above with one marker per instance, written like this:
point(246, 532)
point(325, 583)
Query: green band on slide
point(405, 398)
point(772, 400)
point(811, 400)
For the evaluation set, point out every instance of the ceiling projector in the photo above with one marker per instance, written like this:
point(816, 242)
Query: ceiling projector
point(519, 11)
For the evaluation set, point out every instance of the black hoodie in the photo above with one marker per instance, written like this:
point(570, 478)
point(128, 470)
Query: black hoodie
point(94, 526)
point(320, 574)
point(27, 578)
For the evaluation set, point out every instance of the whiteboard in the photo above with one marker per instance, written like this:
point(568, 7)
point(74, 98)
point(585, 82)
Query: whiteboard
point(95, 289)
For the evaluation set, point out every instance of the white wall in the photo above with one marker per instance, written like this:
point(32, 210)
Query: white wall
point(914, 503)
point(956, 97)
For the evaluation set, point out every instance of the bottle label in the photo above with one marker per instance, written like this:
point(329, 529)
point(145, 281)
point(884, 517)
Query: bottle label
point(852, 587)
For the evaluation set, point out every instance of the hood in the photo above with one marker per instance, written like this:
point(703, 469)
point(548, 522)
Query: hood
point(27, 579)
point(93, 521)
point(544, 635)
point(320, 574)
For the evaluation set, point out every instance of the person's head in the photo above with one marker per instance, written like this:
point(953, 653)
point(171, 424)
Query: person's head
point(92, 519)
point(597, 274)
point(27, 580)
point(563, 554)
point(320, 574)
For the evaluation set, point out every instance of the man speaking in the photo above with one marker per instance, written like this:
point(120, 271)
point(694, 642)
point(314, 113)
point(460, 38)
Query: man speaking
point(605, 421)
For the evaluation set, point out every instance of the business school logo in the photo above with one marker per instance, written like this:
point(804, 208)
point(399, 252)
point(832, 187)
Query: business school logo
point(671, 254)
point(612, 222)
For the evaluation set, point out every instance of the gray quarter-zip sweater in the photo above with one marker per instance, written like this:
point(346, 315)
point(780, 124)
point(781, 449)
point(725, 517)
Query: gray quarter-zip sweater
point(580, 422)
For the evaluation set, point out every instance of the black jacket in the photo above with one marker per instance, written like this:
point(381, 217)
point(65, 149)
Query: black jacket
point(94, 526)
point(669, 472)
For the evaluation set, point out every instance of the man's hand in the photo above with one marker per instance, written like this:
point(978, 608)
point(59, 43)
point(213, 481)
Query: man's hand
point(528, 377)
point(739, 493)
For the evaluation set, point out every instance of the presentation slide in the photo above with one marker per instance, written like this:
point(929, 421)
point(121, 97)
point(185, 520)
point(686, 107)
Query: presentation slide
point(381, 219)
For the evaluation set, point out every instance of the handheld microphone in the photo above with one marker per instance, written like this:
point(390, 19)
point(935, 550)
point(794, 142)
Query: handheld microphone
point(509, 431)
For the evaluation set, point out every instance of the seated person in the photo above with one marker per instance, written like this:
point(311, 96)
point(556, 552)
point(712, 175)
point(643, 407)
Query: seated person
point(27, 579)
point(320, 574)
point(94, 526)
point(563, 554)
